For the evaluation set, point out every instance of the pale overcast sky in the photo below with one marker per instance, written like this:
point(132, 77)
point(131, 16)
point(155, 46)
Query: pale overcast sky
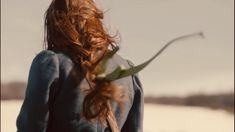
point(190, 66)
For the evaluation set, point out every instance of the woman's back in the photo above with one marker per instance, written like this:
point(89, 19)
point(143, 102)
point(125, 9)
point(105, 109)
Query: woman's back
point(65, 92)
point(55, 94)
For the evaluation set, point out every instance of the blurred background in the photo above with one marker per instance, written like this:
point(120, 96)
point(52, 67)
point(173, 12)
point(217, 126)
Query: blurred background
point(188, 88)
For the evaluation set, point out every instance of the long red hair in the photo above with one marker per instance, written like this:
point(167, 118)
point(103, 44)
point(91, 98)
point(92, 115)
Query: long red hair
point(75, 28)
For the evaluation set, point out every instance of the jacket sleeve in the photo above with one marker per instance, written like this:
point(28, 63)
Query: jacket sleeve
point(134, 121)
point(34, 113)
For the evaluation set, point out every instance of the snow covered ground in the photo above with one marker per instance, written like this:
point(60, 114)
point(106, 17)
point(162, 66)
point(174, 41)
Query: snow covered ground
point(157, 118)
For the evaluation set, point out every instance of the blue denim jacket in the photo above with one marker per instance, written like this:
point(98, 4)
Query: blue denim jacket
point(54, 97)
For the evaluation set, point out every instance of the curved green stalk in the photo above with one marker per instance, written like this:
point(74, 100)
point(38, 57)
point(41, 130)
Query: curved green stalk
point(120, 72)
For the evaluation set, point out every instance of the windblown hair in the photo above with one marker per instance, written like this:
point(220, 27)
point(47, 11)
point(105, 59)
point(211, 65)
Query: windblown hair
point(75, 28)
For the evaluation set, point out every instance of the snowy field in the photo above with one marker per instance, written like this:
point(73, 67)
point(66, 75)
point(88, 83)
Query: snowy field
point(157, 118)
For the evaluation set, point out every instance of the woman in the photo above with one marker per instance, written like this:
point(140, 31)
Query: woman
point(63, 93)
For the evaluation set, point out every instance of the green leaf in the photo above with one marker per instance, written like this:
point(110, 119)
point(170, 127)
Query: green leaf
point(120, 72)
point(104, 61)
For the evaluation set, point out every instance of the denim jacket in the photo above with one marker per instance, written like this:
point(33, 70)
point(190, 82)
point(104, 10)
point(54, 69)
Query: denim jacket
point(54, 97)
